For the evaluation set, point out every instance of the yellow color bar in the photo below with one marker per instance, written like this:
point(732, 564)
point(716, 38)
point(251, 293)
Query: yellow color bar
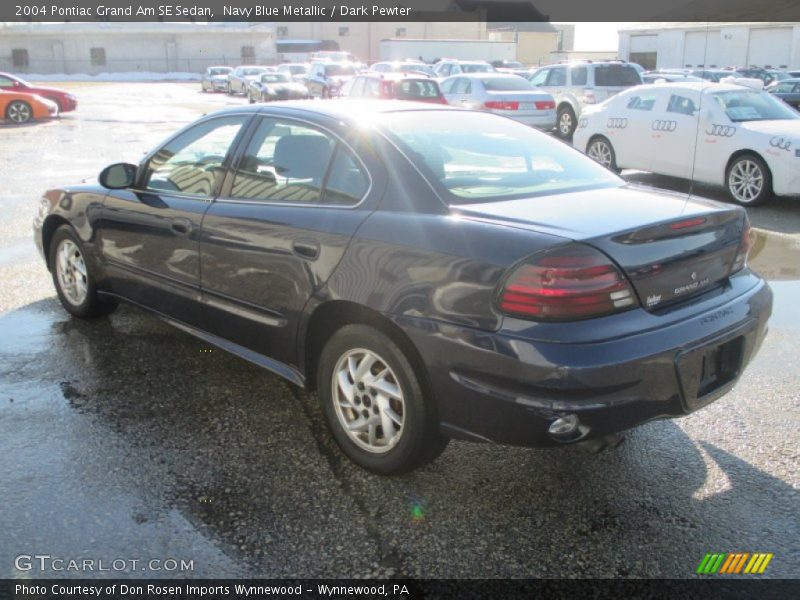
point(754, 567)
point(764, 564)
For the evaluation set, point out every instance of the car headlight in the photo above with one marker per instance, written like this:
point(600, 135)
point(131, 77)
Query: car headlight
point(71, 97)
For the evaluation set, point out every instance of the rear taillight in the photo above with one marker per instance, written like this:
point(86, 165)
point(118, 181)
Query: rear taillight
point(442, 100)
point(568, 283)
point(501, 105)
point(545, 104)
point(745, 245)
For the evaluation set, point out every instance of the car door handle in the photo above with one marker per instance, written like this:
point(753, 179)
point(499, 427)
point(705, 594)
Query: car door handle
point(306, 248)
point(181, 225)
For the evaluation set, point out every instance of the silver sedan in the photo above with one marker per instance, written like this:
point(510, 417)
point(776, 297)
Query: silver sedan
point(502, 94)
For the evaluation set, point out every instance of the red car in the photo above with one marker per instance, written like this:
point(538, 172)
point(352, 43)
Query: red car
point(393, 86)
point(64, 100)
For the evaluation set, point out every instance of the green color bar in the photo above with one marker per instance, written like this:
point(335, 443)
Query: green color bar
point(718, 564)
point(701, 568)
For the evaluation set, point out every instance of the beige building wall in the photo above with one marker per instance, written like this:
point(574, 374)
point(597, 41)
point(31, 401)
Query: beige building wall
point(535, 48)
point(363, 39)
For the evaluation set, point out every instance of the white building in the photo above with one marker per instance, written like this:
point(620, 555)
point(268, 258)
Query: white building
point(108, 47)
point(677, 45)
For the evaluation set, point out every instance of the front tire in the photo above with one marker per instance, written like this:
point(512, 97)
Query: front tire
point(374, 402)
point(565, 122)
point(748, 180)
point(601, 150)
point(19, 111)
point(74, 281)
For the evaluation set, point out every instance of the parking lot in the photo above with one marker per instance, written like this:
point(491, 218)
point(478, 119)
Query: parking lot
point(127, 439)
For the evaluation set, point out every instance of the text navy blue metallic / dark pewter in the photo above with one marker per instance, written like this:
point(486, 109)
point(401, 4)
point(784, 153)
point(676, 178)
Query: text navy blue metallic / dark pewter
point(432, 272)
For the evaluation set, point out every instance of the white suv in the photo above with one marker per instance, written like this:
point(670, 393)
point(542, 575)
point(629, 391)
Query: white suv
point(447, 68)
point(576, 84)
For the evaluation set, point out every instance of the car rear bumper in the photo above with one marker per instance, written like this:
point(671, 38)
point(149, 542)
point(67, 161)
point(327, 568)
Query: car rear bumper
point(543, 119)
point(505, 388)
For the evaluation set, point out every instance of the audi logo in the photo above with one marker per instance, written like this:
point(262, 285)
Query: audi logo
point(659, 125)
point(583, 122)
point(721, 130)
point(617, 123)
point(780, 142)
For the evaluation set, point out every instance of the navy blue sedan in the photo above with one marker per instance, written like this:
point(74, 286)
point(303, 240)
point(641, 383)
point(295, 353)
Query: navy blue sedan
point(432, 272)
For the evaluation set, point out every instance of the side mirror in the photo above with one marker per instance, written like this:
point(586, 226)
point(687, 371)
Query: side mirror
point(118, 176)
point(16, 84)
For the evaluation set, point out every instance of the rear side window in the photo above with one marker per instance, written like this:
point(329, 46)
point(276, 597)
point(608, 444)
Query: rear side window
point(347, 183)
point(417, 88)
point(193, 162)
point(284, 162)
point(578, 75)
point(616, 76)
point(681, 105)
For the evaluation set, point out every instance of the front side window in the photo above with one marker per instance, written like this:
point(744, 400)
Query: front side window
point(475, 157)
point(557, 76)
point(410, 89)
point(193, 162)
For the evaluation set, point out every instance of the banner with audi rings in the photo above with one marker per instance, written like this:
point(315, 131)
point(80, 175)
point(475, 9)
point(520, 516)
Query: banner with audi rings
point(664, 125)
point(617, 123)
point(721, 130)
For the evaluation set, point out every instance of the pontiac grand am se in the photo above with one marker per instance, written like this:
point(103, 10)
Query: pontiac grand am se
point(432, 272)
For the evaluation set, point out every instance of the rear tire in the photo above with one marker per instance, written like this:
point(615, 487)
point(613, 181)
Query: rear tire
point(73, 277)
point(374, 402)
point(601, 151)
point(748, 180)
point(565, 122)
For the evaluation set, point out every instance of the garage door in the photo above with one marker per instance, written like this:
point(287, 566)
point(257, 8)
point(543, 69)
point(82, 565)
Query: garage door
point(770, 47)
point(701, 49)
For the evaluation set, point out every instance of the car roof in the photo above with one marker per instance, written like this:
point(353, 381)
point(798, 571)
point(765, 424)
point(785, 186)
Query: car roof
point(355, 109)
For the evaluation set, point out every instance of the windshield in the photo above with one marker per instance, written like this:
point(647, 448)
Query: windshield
point(334, 70)
point(476, 68)
point(506, 84)
point(220, 71)
point(274, 78)
point(513, 64)
point(477, 157)
point(297, 69)
point(753, 106)
point(252, 71)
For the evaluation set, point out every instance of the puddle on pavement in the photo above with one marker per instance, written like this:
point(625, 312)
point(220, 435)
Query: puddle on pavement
point(777, 259)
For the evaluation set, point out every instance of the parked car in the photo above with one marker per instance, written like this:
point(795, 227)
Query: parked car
point(297, 71)
point(672, 77)
point(510, 66)
point(441, 273)
point(794, 74)
point(337, 56)
point(276, 86)
point(502, 94)
point(578, 84)
point(65, 101)
point(447, 68)
point(393, 86)
point(403, 67)
point(787, 90)
point(215, 79)
point(765, 75)
point(325, 79)
point(715, 75)
point(19, 107)
point(239, 80)
point(717, 133)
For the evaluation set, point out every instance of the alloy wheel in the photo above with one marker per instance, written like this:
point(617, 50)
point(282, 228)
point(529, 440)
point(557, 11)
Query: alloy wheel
point(19, 112)
point(601, 152)
point(73, 278)
point(368, 400)
point(746, 180)
point(565, 123)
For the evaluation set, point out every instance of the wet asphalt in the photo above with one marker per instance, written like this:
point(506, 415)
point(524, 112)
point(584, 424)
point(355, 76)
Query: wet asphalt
point(125, 439)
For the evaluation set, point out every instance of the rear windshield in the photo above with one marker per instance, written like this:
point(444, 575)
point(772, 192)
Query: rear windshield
point(220, 71)
point(504, 84)
point(417, 88)
point(753, 106)
point(252, 71)
point(334, 70)
point(274, 78)
point(474, 157)
point(616, 75)
point(476, 68)
point(297, 69)
point(415, 68)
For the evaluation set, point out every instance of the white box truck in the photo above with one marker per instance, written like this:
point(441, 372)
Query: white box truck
point(430, 50)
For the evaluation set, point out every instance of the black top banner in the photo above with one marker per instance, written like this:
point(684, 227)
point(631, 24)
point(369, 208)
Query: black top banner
point(398, 10)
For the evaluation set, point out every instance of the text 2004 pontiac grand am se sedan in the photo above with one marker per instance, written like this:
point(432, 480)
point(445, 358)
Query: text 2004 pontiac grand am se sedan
point(433, 272)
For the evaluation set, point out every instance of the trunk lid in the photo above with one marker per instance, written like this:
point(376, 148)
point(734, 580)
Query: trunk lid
point(669, 246)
